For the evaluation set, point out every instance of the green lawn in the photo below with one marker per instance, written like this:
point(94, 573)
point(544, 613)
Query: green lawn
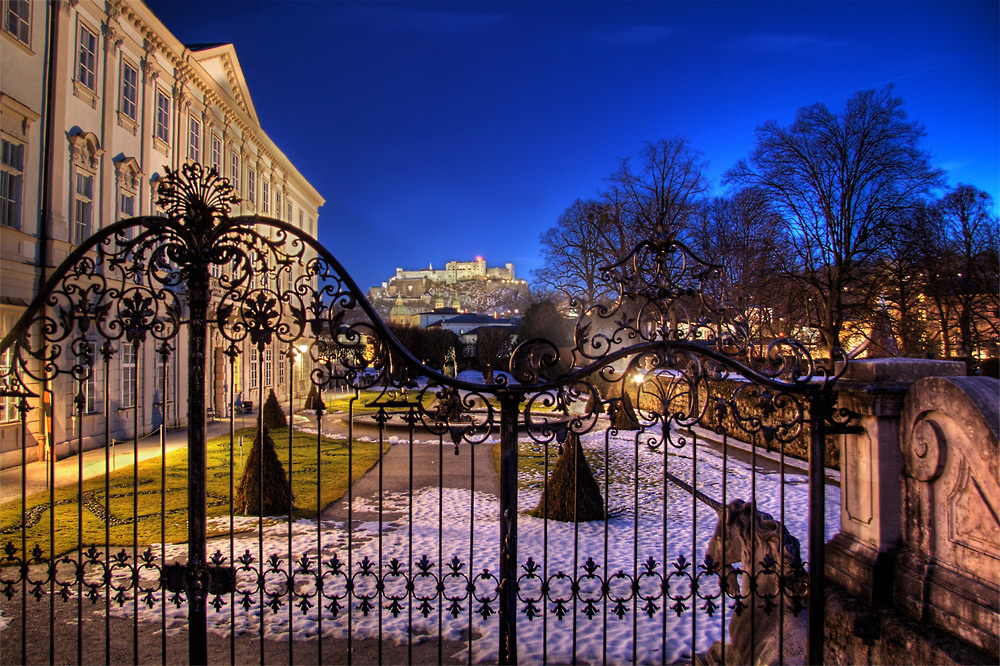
point(158, 487)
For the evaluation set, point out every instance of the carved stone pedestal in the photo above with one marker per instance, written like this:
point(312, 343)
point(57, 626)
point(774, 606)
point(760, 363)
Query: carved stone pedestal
point(948, 572)
point(861, 557)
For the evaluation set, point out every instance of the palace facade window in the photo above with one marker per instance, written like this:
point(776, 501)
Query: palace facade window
point(234, 172)
point(11, 183)
point(251, 185)
point(8, 405)
point(253, 366)
point(86, 70)
point(17, 20)
point(128, 366)
point(265, 196)
point(217, 153)
point(83, 206)
point(162, 116)
point(267, 367)
point(281, 369)
point(194, 139)
point(277, 204)
point(130, 91)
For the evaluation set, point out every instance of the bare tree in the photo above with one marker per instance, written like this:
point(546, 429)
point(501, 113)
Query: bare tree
point(573, 253)
point(966, 276)
point(745, 237)
point(842, 182)
point(660, 188)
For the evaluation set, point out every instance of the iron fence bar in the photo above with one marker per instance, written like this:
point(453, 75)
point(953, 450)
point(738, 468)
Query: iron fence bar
point(817, 527)
point(162, 354)
point(509, 401)
point(291, 559)
point(136, 358)
point(107, 509)
point(198, 299)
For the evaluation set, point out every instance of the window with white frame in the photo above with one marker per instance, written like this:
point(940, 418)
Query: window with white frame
point(88, 386)
point(130, 91)
point(265, 196)
point(17, 20)
point(194, 139)
point(267, 366)
point(301, 220)
point(83, 206)
point(234, 171)
point(217, 153)
point(281, 369)
point(128, 367)
point(253, 365)
point(11, 182)
point(162, 116)
point(289, 218)
point(126, 205)
point(277, 204)
point(251, 185)
point(8, 406)
point(86, 70)
point(162, 377)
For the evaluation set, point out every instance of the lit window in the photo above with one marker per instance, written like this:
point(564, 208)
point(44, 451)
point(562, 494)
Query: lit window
point(8, 406)
point(130, 90)
point(281, 371)
point(83, 206)
point(128, 375)
point(234, 172)
point(251, 185)
point(253, 366)
point(194, 139)
point(267, 366)
point(162, 116)
point(265, 195)
point(89, 385)
point(217, 153)
point(17, 20)
point(11, 179)
point(86, 72)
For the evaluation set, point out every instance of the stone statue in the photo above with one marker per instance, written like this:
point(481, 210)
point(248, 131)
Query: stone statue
point(744, 534)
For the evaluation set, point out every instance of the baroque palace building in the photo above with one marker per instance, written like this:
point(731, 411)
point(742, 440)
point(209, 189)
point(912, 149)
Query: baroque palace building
point(97, 99)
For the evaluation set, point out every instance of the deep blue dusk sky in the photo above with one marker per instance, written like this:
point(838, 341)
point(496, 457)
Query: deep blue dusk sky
point(442, 131)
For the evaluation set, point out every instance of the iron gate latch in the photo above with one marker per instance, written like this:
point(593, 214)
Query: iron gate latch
point(181, 577)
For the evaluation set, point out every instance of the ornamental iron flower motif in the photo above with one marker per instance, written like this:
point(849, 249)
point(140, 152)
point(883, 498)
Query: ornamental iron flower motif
point(260, 314)
point(136, 316)
point(195, 193)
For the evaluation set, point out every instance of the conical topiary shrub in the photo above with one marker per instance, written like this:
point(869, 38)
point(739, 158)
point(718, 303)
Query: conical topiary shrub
point(623, 415)
point(571, 494)
point(273, 416)
point(264, 489)
point(313, 401)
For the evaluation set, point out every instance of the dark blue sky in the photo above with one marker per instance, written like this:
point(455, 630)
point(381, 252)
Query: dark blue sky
point(441, 131)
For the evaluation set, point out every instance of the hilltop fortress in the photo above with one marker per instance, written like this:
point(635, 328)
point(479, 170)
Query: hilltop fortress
point(466, 286)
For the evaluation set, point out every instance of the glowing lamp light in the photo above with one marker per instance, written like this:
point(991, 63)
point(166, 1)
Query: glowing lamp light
point(303, 348)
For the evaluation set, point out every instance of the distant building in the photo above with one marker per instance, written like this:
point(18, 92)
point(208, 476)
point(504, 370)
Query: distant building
point(466, 285)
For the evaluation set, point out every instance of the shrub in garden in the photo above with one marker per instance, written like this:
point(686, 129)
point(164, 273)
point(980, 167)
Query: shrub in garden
point(571, 492)
point(273, 416)
point(264, 489)
point(313, 401)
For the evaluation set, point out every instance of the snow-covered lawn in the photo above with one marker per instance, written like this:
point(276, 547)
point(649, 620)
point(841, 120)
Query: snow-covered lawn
point(454, 536)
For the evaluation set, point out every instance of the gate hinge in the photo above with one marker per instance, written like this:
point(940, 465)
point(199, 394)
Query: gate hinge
point(177, 577)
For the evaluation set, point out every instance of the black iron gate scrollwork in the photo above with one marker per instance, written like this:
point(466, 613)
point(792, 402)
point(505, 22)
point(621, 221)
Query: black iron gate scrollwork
point(659, 392)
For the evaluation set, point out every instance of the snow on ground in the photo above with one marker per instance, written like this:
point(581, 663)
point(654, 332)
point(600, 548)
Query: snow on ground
point(457, 532)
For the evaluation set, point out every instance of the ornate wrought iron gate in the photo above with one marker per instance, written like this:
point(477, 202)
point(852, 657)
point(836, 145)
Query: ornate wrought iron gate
point(665, 392)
